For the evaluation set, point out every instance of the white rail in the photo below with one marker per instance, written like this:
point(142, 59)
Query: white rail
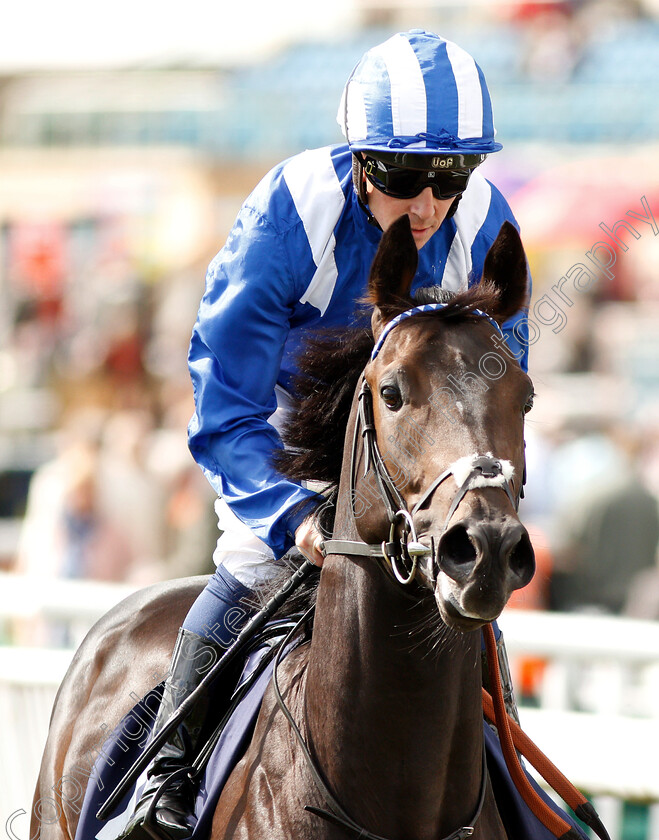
point(30, 677)
point(573, 636)
point(608, 669)
point(81, 601)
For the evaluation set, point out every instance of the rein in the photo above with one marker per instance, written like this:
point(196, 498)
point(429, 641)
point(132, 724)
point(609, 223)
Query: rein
point(512, 739)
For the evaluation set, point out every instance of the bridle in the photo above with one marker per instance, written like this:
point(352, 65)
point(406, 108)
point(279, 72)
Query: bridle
point(483, 468)
point(400, 556)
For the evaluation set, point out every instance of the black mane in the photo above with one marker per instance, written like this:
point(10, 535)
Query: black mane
point(329, 369)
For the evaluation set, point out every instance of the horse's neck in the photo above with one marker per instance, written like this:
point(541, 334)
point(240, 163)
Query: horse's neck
point(393, 704)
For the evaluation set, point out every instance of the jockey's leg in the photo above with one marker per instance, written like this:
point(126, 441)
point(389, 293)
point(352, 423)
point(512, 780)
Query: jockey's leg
point(212, 624)
point(192, 657)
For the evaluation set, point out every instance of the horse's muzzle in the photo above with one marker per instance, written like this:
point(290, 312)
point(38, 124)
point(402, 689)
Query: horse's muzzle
point(486, 561)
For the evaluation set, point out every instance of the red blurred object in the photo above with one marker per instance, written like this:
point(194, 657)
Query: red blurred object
point(565, 205)
point(38, 255)
point(525, 12)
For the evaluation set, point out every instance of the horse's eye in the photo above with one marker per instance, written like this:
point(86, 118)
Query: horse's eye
point(391, 397)
point(529, 404)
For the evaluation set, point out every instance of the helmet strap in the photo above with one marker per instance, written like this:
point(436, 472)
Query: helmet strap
point(369, 216)
point(359, 182)
point(358, 178)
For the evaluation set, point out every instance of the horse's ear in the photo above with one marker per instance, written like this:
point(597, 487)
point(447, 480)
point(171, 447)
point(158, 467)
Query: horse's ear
point(505, 268)
point(392, 272)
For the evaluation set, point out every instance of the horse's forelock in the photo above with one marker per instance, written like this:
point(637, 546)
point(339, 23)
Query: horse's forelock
point(484, 296)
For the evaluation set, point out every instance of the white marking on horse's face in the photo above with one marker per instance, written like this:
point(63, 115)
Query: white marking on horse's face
point(463, 467)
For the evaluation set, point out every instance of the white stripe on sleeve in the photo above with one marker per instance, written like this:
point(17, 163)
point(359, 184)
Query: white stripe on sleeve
point(318, 197)
point(469, 218)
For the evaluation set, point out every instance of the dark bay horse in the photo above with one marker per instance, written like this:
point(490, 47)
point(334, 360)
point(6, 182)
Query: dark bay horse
point(387, 694)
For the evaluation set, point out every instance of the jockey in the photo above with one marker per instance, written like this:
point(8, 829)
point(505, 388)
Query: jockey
point(417, 118)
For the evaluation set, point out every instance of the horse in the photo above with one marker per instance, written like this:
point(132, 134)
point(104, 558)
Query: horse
point(373, 728)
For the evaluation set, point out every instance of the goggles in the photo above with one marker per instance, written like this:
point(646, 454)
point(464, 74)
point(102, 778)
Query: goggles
point(407, 182)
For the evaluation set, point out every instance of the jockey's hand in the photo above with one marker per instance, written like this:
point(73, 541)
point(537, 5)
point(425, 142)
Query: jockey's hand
point(309, 539)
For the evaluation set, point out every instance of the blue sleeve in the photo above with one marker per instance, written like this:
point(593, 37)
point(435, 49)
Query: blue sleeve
point(235, 357)
point(516, 328)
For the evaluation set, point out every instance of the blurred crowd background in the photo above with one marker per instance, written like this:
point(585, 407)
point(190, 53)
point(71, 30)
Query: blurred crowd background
point(119, 182)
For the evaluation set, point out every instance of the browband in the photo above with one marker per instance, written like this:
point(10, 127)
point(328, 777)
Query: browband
point(419, 310)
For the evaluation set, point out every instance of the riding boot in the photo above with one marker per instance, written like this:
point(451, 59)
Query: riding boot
point(210, 627)
point(169, 818)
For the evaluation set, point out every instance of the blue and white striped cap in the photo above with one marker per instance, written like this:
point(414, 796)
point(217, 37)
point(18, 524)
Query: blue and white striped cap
point(420, 93)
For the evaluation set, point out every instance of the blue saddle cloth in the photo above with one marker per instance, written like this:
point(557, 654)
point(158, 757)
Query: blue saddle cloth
point(124, 745)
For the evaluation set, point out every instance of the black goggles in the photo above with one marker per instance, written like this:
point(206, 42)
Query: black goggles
point(403, 182)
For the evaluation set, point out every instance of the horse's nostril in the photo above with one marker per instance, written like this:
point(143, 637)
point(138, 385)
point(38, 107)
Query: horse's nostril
point(457, 554)
point(457, 544)
point(521, 560)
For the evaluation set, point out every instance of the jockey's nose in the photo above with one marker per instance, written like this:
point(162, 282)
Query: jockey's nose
point(423, 204)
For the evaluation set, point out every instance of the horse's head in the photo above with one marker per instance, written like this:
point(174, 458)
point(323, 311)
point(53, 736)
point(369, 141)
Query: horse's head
point(448, 402)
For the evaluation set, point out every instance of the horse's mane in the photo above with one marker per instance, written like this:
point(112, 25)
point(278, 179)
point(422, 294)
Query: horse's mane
point(329, 368)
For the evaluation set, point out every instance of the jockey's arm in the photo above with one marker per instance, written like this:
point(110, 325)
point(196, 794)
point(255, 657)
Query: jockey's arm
point(235, 359)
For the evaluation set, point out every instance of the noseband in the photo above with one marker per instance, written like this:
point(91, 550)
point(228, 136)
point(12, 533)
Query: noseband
point(400, 556)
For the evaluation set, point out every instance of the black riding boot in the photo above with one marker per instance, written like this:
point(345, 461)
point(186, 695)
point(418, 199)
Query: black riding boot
point(193, 656)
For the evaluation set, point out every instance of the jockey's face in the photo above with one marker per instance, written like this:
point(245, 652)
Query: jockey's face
point(426, 213)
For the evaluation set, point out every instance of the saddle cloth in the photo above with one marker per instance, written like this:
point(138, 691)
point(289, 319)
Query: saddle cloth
point(123, 747)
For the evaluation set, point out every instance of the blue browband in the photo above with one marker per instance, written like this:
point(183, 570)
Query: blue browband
point(417, 310)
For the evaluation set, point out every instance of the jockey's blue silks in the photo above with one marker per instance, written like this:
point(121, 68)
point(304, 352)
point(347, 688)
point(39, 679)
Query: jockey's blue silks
point(296, 260)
